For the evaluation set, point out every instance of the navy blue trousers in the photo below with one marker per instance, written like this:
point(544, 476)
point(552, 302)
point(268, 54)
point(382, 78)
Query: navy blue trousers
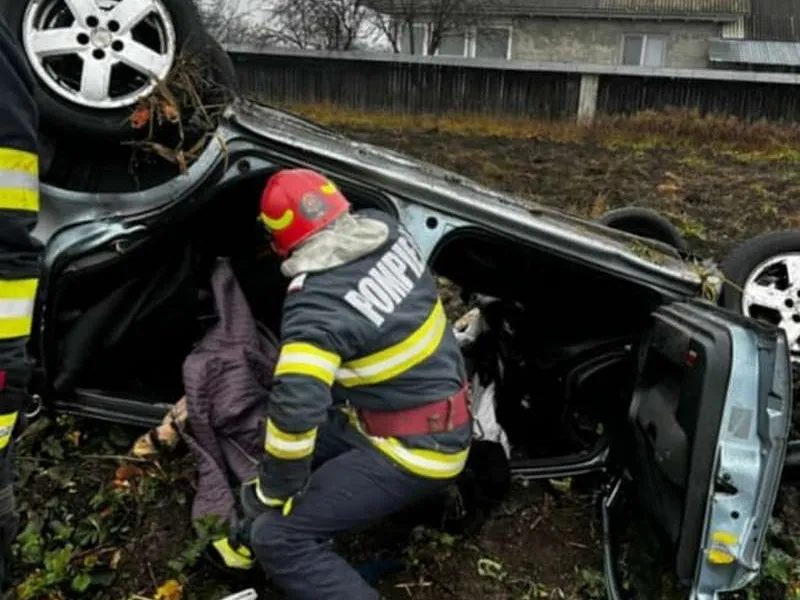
point(352, 486)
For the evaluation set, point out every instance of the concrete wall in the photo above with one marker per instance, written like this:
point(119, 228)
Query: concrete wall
point(600, 41)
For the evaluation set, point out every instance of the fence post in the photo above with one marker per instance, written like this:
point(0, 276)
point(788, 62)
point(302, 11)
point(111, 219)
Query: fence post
point(587, 97)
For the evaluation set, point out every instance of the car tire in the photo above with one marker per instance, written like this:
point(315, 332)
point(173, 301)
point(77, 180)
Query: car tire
point(61, 114)
point(105, 165)
point(645, 223)
point(765, 258)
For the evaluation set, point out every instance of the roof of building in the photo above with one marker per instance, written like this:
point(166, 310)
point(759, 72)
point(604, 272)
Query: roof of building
point(631, 8)
point(754, 52)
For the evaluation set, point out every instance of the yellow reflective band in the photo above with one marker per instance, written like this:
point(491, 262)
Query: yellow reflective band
point(18, 289)
point(19, 180)
point(280, 223)
point(15, 328)
point(328, 188)
point(266, 500)
point(18, 199)
point(20, 161)
point(240, 558)
point(299, 358)
point(433, 464)
point(399, 358)
point(16, 307)
point(289, 446)
point(7, 422)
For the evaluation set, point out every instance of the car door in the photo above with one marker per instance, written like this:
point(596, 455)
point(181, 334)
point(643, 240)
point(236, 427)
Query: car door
point(710, 420)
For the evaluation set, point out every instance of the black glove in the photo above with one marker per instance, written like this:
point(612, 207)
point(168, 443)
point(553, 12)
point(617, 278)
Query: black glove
point(254, 504)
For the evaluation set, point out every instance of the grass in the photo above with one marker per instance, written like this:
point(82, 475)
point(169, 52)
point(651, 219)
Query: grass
point(746, 141)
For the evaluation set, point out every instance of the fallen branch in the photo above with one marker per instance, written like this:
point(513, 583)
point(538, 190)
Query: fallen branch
point(115, 457)
point(178, 101)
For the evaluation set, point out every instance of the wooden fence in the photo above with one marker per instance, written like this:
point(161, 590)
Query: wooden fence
point(415, 84)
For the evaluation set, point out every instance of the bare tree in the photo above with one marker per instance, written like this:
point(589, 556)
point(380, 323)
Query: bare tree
point(397, 18)
point(235, 22)
point(320, 24)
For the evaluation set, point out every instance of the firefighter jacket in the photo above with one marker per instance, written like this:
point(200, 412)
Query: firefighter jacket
point(371, 333)
point(19, 208)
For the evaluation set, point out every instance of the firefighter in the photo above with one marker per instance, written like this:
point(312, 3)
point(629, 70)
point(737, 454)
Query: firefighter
point(19, 259)
point(369, 411)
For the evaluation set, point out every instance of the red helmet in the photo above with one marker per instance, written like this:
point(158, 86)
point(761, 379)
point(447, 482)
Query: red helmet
point(297, 203)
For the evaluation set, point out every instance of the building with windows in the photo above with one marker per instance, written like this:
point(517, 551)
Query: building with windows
point(652, 33)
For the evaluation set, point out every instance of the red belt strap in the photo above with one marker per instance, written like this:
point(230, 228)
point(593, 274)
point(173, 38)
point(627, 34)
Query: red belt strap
point(437, 417)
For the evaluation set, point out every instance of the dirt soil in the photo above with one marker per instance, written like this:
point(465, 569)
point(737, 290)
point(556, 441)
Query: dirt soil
point(98, 525)
point(717, 197)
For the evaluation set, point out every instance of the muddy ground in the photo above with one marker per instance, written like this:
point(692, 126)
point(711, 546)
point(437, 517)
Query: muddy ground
point(98, 526)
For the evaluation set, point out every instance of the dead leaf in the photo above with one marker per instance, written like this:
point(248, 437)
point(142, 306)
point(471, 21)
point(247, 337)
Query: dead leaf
point(124, 473)
point(169, 590)
point(792, 221)
point(668, 188)
point(140, 117)
point(115, 558)
point(562, 485)
point(599, 206)
point(170, 111)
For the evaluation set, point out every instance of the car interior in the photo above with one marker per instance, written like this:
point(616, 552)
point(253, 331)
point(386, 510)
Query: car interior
point(559, 343)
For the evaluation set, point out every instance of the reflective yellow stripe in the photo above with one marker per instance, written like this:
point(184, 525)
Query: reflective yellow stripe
point(425, 463)
point(240, 558)
point(399, 358)
point(7, 422)
point(280, 223)
point(18, 289)
point(15, 328)
point(328, 189)
point(19, 199)
point(289, 446)
point(433, 464)
point(21, 161)
point(16, 307)
point(299, 358)
point(19, 180)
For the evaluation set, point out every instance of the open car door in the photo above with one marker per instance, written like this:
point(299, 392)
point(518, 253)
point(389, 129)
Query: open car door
point(710, 420)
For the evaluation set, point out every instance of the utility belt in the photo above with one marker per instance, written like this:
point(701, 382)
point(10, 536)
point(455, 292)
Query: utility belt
point(437, 417)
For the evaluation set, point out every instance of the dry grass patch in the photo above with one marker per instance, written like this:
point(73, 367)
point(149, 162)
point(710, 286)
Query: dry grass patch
point(759, 141)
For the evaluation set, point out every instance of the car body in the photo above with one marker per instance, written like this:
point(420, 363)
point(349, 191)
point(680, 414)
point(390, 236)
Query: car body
point(701, 437)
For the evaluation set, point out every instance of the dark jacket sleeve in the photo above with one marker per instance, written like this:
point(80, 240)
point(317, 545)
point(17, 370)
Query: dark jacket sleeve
point(18, 113)
point(309, 357)
point(19, 175)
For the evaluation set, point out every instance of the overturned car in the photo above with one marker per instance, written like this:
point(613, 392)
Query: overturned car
point(600, 351)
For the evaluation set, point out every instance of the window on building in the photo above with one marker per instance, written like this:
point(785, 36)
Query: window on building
point(643, 50)
point(453, 44)
point(492, 42)
point(480, 42)
point(419, 39)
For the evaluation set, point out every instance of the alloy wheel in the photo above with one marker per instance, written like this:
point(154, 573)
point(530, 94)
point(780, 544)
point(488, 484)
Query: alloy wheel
point(99, 55)
point(772, 293)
